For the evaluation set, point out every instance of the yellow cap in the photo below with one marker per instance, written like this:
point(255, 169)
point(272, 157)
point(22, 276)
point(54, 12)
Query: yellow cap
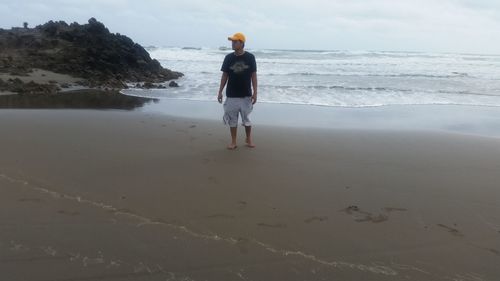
point(237, 37)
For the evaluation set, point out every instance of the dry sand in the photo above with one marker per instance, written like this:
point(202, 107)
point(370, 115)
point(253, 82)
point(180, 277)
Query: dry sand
point(41, 76)
point(113, 195)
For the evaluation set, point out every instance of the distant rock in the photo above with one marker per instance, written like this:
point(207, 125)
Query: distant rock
point(173, 84)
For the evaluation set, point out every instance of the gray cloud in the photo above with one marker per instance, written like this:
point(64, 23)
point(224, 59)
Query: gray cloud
point(426, 25)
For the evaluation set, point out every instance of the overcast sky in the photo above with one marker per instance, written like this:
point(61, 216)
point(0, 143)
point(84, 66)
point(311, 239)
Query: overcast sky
point(471, 26)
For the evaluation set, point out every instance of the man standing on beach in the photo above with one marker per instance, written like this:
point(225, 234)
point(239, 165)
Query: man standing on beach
point(239, 71)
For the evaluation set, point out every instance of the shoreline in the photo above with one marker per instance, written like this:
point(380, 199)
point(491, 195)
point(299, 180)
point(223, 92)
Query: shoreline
point(460, 119)
point(472, 120)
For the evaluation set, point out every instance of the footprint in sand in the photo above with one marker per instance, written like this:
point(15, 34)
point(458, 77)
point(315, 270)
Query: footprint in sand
point(316, 218)
point(362, 216)
point(68, 213)
point(494, 251)
point(275, 225)
point(451, 230)
point(242, 205)
point(213, 180)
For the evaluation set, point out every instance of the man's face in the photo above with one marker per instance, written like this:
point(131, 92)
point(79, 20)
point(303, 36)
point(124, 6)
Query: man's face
point(237, 45)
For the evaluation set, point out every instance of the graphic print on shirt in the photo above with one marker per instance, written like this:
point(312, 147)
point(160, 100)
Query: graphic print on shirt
point(239, 67)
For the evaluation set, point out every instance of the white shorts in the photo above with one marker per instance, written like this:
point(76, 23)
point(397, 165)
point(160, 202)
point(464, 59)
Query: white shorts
point(237, 106)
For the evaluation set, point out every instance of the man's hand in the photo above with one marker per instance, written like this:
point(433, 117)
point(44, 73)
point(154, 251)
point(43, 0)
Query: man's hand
point(254, 98)
point(219, 97)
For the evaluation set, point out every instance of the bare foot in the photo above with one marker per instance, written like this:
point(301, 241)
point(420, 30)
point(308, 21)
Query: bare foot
point(232, 146)
point(250, 143)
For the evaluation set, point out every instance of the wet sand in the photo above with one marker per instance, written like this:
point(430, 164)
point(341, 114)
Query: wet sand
point(115, 195)
point(74, 99)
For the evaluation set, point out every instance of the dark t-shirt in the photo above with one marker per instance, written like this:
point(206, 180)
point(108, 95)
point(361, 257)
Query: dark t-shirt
point(239, 70)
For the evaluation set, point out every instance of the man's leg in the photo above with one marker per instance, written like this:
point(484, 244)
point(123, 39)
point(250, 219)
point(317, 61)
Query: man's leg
point(230, 118)
point(233, 131)
point(246, 109)
point(249, 141)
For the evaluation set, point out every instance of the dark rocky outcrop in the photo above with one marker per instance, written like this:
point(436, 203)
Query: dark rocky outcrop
point(88, 51)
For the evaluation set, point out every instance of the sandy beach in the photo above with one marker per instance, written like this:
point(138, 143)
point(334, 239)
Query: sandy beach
point(131, 195)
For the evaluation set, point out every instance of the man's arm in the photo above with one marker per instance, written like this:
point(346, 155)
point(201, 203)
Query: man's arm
point(254, 87)
point(223, 81)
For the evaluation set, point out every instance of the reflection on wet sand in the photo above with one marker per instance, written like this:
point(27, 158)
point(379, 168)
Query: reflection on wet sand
point(83, 99)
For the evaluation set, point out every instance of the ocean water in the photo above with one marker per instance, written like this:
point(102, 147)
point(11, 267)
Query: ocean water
point(340, 78)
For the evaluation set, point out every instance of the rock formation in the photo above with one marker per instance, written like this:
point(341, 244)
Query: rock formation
point(88, 51)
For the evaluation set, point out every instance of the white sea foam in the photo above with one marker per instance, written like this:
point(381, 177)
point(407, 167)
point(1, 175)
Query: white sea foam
point(341, 78)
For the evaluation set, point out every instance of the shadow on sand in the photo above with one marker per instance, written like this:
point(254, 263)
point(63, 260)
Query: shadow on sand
point(77, 99)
